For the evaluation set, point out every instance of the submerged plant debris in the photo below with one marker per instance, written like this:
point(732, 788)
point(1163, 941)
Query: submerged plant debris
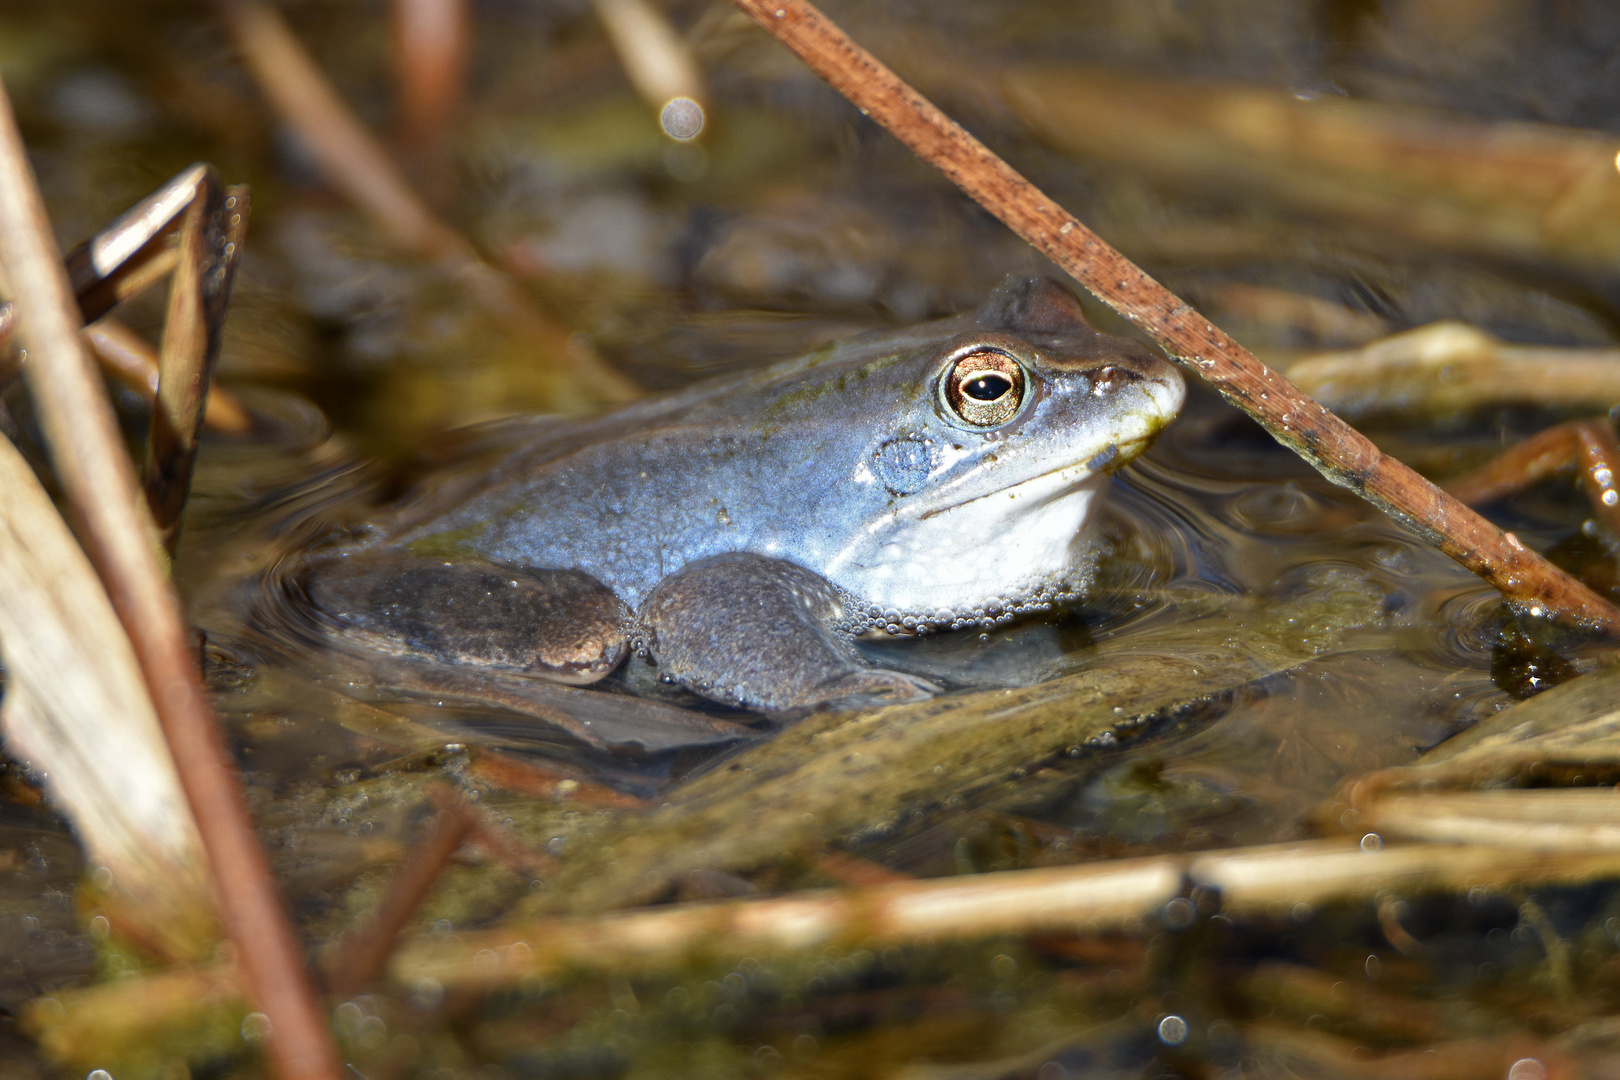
point(1425, 875)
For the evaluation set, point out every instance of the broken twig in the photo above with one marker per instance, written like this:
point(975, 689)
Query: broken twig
point(1585, 446)
point(1331, 446)
point(212, 228)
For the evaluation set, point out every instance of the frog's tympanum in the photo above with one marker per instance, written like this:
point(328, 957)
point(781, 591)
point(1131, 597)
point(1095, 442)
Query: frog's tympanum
point(743, 533)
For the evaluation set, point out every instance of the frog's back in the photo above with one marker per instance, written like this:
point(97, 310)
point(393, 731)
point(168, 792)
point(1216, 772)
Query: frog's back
point(745, 530)
point(757, 462)
point(943, 469)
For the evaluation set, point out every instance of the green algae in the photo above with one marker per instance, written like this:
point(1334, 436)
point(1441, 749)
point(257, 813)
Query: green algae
point(836, 777)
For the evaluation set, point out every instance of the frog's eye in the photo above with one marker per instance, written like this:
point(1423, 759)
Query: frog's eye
point(984, 388)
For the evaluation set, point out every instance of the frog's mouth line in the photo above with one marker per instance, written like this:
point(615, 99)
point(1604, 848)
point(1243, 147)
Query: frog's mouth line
point(1095, 467)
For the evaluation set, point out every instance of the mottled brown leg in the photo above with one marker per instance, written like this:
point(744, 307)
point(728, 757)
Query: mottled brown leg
point(561, 625)
point(757, 633)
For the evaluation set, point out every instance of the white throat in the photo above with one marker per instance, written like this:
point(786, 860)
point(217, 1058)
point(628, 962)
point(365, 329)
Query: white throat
point(996, 550)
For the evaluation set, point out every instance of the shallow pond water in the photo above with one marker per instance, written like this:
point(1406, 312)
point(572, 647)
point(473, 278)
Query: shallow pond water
point(1280, 636)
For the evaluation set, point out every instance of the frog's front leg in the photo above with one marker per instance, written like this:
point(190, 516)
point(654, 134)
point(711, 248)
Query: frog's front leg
point(562, 625)
point(756, 632)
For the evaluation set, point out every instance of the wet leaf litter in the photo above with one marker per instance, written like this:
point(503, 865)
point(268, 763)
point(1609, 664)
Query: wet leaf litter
point(1323, 662)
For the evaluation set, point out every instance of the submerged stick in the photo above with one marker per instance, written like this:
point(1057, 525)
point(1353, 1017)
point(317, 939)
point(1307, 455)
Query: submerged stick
point(1121, 894)
point(356, 961)
point(100, 483)
point(1586, 446)
point(1327, 443)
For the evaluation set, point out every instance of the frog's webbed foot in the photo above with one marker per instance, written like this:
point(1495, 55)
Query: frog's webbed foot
point(755, 632)
point(561, 625)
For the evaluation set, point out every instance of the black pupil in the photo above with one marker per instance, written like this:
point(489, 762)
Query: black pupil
point(986, 387)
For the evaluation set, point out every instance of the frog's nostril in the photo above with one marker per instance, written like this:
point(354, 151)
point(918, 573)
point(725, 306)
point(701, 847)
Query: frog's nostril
point(1110, 377)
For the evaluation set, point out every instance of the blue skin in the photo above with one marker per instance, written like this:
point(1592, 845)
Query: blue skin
point(750, 526)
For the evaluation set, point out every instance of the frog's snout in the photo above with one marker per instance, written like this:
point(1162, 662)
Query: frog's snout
point(1144, 397)
point(1144, 392)
point(1165, 391)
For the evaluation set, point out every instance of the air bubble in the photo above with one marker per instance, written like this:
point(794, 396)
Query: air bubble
point(682, 119)
point(1173, 1031)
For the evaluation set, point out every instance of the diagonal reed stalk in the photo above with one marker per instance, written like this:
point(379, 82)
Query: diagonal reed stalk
point(1331, 446)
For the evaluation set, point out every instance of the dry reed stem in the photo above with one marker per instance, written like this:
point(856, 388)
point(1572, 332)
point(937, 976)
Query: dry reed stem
point(212, 230)
point(135, 251)
point(1253, 883)
point(78, 714)
point(140, 248)
point(1552, 819)
point(100, 484)
point(656, 59)
point(1533, 193)
point(430, 59)
point(352, 160)
point(132, 360)
point(1452, 367)
point(1103, 895)
point(126, 357)
point(1331, 446)
point(358, 167)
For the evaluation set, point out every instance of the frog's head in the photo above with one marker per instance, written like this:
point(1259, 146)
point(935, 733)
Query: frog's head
point(1011, 434)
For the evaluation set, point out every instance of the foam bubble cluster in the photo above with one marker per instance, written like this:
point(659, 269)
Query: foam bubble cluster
point(861, 619)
